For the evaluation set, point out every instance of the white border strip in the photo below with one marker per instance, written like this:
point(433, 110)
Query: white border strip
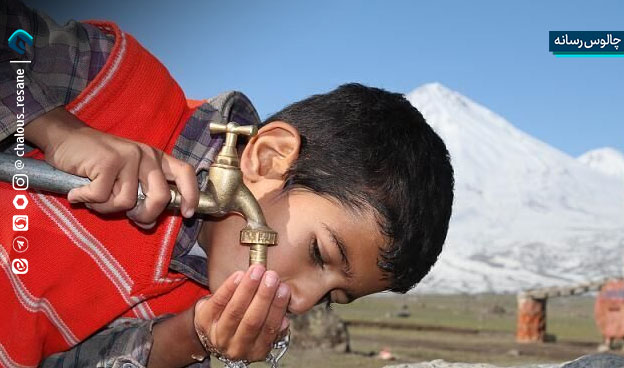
point(107, 77)
point(160, 264)
point(6, 360)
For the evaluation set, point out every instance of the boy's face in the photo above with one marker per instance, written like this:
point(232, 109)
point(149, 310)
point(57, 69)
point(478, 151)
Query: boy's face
point(301, 218)
point(303, 221)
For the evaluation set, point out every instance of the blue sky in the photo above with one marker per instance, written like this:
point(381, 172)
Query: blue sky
point(495, 52)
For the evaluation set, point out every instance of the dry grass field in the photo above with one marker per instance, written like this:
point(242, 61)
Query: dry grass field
point(466, 328)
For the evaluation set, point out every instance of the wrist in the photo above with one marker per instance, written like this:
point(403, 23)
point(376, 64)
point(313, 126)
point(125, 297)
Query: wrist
point(49, 129)
point(176, 343)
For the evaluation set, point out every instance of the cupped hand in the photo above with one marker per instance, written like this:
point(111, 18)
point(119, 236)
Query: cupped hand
point(246, 315)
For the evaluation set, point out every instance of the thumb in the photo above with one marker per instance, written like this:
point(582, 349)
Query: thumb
point(98, 191)
point(78, 195)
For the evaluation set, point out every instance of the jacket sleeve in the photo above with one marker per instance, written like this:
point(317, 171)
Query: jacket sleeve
point(63, 60)
point(126, 343)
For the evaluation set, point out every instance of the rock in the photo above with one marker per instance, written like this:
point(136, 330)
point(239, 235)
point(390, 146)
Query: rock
point(439, 363)
point(319, 329)
point(596, 361)
point(588, 361)
point(404, 312)
point(497, 310)
point(514, 352)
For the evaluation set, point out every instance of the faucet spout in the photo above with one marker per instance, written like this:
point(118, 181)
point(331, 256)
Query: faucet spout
point(228, 193)
point(256, 233)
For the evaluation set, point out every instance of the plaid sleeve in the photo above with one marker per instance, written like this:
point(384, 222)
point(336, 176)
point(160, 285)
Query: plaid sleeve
point(64, 59)
point(125, 343)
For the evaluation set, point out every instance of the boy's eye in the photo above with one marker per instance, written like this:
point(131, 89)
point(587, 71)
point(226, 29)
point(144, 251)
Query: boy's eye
point(315, 253)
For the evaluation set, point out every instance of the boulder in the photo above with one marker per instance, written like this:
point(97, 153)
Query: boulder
point(319, 329)
point(588, 361)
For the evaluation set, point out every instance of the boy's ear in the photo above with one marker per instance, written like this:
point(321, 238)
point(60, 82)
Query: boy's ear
point(271, 152)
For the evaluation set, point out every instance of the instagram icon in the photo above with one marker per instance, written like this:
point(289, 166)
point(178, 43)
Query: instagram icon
point(20, 181)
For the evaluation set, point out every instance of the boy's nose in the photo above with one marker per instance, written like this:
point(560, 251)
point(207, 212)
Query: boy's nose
point(304, 296)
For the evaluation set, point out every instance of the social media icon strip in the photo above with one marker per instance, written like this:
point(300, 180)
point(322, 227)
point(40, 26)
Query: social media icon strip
point(20, 244)
point(19, 266)
point(20, 222)
point(20, 201)
point(20, 181)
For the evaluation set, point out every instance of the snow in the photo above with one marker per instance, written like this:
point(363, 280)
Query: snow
point(525, 214)
point(606, 160)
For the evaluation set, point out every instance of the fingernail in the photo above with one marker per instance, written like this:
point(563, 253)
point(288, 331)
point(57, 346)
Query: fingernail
point(285, 323)
point(270, 279)
point(256, 272)
point(238, 278)
point(86, 205)
point(188, 213)
point(282, 290)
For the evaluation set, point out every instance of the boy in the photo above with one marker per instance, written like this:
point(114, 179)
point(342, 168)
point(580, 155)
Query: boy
point(357, 185)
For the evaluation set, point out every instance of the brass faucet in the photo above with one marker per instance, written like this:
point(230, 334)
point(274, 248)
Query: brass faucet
point(226, 193)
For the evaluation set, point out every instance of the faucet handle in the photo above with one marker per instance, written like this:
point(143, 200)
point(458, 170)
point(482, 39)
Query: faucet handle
point(248, 130)
point(232, 127)
point(228, 155)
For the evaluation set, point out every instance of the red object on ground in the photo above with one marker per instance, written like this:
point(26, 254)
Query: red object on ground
point(609, 310)
point(531, 324)
point(84, 271)
point(386, 354)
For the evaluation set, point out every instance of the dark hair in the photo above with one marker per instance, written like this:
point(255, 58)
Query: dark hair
point(367, 147)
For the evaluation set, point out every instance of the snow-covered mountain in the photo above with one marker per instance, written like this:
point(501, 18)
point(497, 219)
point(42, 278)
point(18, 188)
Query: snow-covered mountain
point(607, 160)
point(525, 213)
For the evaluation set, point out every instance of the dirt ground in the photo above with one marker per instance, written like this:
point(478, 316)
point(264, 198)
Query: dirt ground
point(456, 328)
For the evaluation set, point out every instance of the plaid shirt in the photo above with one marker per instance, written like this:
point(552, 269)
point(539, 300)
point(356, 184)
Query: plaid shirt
point(64, 60)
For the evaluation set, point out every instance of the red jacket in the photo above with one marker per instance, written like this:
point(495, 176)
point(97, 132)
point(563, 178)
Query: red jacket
point(85, 271)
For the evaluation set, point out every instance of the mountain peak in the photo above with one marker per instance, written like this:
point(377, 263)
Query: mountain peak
point(449, 112)
point(438, 90)
point(519, 204)
point(436, 96)
point(435, 86)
